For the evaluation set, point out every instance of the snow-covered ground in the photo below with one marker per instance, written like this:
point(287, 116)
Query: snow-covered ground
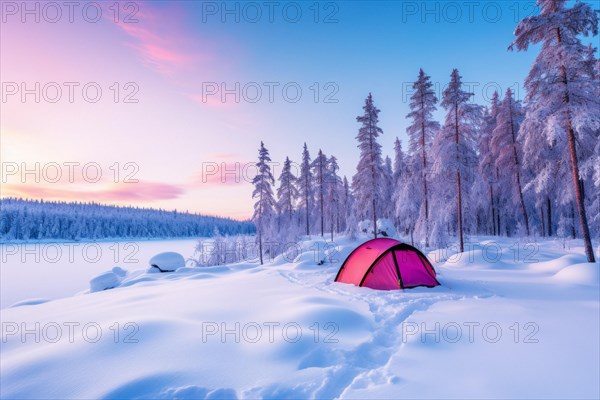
point(48, 270)
point(511, 320)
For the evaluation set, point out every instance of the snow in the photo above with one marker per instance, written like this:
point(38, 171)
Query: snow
point(55, 270)
point(167, 261)
point(230, 331)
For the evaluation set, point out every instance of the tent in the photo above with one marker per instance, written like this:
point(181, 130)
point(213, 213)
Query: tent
point(387, 264)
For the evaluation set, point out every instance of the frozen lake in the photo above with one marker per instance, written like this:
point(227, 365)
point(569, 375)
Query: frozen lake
point(54, 270)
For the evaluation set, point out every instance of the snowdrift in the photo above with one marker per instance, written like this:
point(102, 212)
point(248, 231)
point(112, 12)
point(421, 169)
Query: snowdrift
point(286, 330)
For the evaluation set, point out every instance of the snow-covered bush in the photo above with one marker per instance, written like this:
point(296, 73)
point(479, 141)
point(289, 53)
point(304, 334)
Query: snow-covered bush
point(225, 250)
point(365, 226)
point(385, 227)
point(352, 227)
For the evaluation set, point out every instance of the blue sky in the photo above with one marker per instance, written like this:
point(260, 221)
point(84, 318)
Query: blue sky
point(176, 50)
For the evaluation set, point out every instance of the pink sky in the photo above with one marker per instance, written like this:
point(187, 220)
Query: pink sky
point(165, 135)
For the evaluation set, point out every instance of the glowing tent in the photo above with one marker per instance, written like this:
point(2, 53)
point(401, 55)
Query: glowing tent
point(387, 264)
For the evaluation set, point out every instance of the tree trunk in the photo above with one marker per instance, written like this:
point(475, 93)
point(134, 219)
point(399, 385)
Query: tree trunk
point(573, 232)
point(260, 246)
point(549, 213)
point(518, 171)
point(424, 175)
point(374, 219)
point(542, 220)
point(332, 224)
point(306, 200)
point(493, 210)
point(460, 222)
point(260, 222)
point(322, 217)
point(585, 229)
point(498, 221)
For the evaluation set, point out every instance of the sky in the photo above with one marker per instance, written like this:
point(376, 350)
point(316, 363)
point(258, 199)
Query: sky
point(164, 104)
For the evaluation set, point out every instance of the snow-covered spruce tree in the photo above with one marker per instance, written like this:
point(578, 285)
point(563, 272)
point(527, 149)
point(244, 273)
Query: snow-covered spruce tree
point(319, 166)
point(420, 133)
point(560, 86)
point(287, 194)
point(486, 191)
point(287, 197)
point(507, 150)
point(591, 165)
point(264, 207)
point(334, 188)
point(367, 182)
point(388, 188)
point(399, 162)
point(347, 204)
point(454, 150)
point(306, 189)
point(406, 203)
point(352, 227)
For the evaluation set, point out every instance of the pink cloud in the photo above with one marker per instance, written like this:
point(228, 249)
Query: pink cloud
point(161, 41)
point(122, 192)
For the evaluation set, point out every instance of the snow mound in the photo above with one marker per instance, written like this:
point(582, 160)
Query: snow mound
point(167, 262)
point(582, 274)
point(107, 280)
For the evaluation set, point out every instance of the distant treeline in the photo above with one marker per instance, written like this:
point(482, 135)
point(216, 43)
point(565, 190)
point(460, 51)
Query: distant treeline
point(39, 220)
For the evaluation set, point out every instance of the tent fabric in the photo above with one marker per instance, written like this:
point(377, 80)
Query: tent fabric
point(387, 264)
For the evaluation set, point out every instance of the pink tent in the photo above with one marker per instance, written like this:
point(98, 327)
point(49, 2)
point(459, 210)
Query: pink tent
point(387, 264)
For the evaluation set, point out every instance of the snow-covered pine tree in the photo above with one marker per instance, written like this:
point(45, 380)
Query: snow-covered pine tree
point(420, 133)
point(264, 207)
point(388, 188)
point(367, 182)
point(407, 197)
point(287, 193)
point(399, 163)
point(591, 164)
point(319, 166)
point(506, 150)
point(486, 189)
point(560, 87)
point(347, 203)
point(454, 146)
point(306, 189)
point(333, 194)
point(218, 248)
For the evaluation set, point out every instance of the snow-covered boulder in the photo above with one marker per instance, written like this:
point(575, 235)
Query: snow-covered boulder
point(104, 281)
point(166, 262)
